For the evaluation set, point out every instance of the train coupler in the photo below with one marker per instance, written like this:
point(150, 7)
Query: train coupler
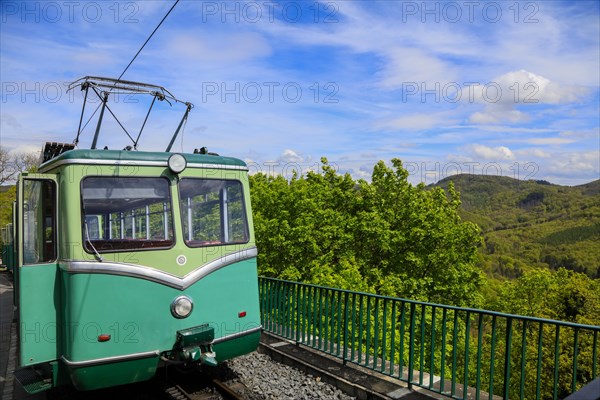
point(202, 354)
point(194, 345)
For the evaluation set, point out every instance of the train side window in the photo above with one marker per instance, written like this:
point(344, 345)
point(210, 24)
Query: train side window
point(126, 213)
point(39, 221)
point(213, 212)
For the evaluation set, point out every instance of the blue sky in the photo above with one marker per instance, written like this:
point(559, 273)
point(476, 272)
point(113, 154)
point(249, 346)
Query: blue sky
point(499, 88)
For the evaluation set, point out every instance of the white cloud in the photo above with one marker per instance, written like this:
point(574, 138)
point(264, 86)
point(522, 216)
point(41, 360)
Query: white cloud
point(10, 121)
point(289, 155)
point(524, 87)
point(416, 121)
point(289, 162)
point(582, 134)
point(550, 141)
point(26, 149)
point(562, 44)
point(407, 65)
point(498, 114)
point(570, 164)
point(533, 152)
point(218, 48)
point(503, 94)
point(490, 153)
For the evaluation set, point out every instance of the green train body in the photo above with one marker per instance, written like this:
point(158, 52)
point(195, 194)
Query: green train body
point(8, 248)
point(115, 248)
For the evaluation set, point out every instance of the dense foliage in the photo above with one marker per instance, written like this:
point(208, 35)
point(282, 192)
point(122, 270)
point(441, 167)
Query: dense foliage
point(562, 295)
point(532, 224)
point(390, 237)
point(386, 236)
point(7, 197)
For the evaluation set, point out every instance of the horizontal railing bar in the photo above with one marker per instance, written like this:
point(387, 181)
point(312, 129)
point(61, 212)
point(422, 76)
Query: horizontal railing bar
point(448, 307)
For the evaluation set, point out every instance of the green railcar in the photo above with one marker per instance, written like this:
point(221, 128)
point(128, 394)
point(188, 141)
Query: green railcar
point(8, 248)
point(130, 260)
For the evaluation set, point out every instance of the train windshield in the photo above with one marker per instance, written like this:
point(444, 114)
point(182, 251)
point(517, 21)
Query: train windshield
point(212, 212)
point(126, 213)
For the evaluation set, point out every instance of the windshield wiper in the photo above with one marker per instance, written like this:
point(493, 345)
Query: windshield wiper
point(87, 237)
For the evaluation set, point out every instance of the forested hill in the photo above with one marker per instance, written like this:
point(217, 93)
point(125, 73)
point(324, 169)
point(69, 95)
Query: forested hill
point(530, 224)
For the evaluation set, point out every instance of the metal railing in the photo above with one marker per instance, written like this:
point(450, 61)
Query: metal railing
point(458, 352)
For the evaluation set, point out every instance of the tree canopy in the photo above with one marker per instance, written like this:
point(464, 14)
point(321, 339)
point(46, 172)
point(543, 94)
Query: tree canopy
point(12, 164)
point(385, 236)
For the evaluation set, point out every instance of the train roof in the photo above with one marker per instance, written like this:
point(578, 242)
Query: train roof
point(141, 158)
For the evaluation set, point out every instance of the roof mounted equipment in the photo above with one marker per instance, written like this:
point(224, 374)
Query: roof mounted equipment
point(103, 87)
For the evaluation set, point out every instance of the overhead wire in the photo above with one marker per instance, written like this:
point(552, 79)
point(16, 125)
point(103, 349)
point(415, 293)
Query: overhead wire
point(134, 57)
point(147, 40)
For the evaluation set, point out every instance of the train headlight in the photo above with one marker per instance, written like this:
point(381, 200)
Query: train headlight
point(182, 307)
point(176, 163)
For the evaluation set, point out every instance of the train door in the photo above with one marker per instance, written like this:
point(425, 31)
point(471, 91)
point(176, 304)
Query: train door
point(37, 282)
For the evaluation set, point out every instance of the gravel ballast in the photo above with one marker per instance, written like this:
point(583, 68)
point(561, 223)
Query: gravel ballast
point(266, 379)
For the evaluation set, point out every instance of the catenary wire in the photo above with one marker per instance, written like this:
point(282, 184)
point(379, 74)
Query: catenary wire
point(134, 57)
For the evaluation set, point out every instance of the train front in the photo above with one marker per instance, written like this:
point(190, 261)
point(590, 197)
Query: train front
point(166, 269)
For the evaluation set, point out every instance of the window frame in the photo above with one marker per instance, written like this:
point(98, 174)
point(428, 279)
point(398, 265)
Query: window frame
point(123, 242)
point(180, 199)
point(53, 198)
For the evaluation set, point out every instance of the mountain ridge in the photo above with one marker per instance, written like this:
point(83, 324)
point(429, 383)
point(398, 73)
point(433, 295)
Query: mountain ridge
point(528, 224)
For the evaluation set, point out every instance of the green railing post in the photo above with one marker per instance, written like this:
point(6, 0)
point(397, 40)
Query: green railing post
point(523, 359)
point(384, 336)
point(326, 322)
point(556, 358)
point(376, 334)
point(289, 302)
point(314, 315)
point(467, 339)
point(432, 349)
point(411, 351)
point(393, 339)
point(339, 335)
point(422, 346)
point(595, 355)
point(575, 351)
point(492, 357)
point(298, 305)
point(353, 326)
point(402, 334)
point(277, 303)
point(334, 337)
point(360, 329)
point(320, 319)
point(304, 314)
point(507, 358)
point(368, 350)
point(538, 384)
point(454, 351)
point(479, 348)
point(443, 361)
point(345, 329)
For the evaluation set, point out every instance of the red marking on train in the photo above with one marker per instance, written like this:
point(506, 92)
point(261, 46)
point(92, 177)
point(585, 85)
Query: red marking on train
point(103, 338)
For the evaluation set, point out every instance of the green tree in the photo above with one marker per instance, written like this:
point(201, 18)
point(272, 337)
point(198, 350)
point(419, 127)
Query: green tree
point(386, 236)
point(11, 164)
